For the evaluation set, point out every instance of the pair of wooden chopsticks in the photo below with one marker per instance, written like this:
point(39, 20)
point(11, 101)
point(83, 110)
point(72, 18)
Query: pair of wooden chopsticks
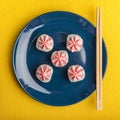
point(99, 58)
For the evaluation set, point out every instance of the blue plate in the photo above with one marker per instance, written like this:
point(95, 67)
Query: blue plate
point(26, 58)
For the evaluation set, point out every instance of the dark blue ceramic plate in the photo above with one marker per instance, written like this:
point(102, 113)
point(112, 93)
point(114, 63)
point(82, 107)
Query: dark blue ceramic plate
point(26, 58)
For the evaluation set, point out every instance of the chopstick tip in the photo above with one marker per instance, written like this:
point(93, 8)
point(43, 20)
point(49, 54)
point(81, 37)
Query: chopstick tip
point(99, 105)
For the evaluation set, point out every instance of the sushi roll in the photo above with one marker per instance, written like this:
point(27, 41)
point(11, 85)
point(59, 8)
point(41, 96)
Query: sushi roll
point(76, 73)
point(44, 43)
point(74, 43)
point(44, 73)
point(59, 58)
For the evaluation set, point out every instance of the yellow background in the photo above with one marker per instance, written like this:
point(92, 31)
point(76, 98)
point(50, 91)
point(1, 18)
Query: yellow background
point(15, 104)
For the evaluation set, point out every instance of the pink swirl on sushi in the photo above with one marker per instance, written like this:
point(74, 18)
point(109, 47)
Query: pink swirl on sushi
point(44, 43)
point(44, 73)
point(76, 73)
point(74, 43)
point(59, 58)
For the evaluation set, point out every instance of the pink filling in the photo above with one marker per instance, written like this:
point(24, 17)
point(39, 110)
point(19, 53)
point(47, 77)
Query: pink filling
point(59, 58)
point(44, 73)
point(74, 43)
point(44, 43)
point(76, 73)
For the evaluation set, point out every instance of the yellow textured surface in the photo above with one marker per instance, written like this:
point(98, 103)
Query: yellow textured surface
point(15, 104)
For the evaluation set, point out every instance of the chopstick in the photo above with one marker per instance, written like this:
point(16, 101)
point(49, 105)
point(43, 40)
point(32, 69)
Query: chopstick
point(99, 59)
